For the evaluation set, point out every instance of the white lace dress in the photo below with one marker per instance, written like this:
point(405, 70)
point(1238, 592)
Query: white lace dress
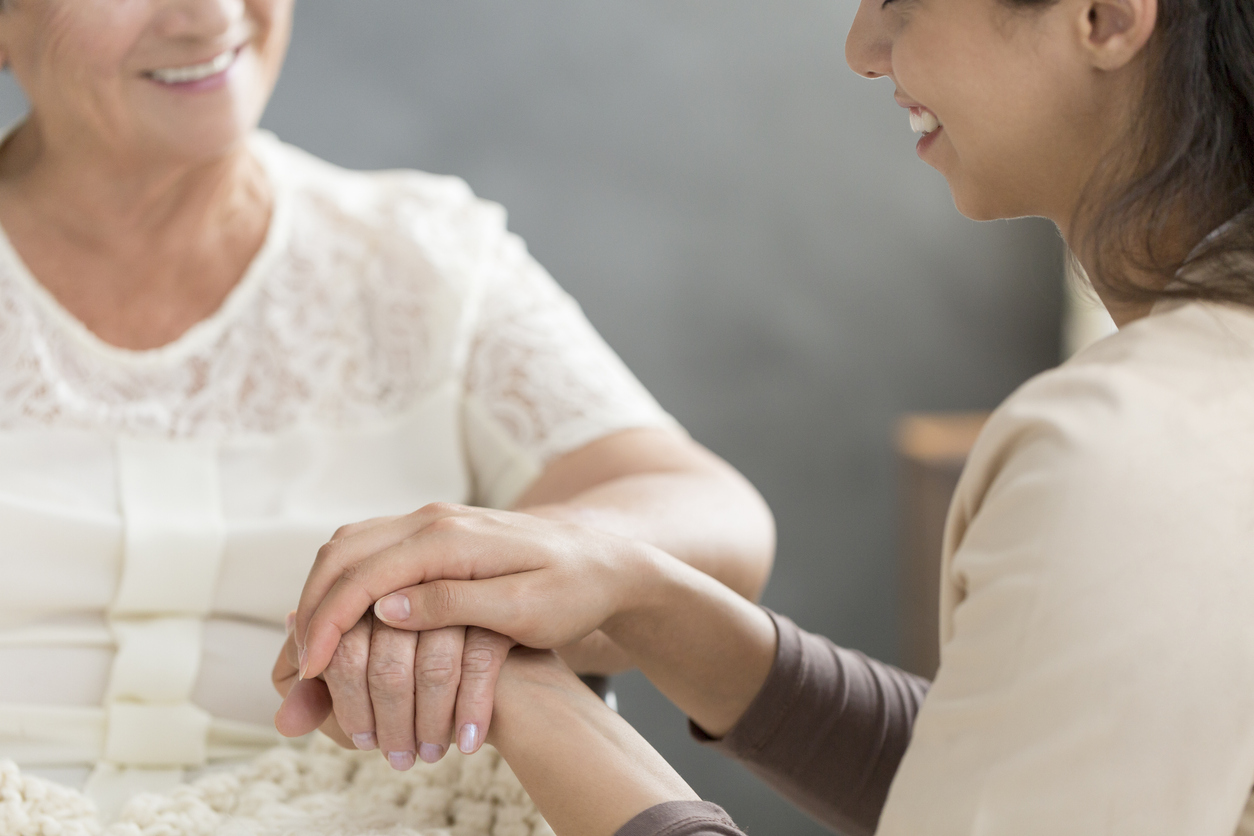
point(391, 345)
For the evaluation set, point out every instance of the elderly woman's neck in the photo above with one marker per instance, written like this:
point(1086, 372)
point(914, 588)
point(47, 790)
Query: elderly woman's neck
point(95, 192)
point(139, 250)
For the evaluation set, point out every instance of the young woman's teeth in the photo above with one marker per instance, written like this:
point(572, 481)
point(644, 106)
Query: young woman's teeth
point(196, 72)
point(923, 121)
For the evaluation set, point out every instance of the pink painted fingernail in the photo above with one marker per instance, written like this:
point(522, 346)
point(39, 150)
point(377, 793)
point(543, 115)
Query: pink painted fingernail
point(365, 741)
point(468, 738)
point(290, 622)
point(430, 753)
point(394, 607)
point(401, 761)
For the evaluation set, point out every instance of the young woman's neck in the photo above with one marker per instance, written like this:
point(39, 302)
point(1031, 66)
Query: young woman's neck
point(1111, 268)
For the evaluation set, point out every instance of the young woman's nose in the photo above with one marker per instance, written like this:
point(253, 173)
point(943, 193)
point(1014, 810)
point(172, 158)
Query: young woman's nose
point(869, 47)
point(199, 19)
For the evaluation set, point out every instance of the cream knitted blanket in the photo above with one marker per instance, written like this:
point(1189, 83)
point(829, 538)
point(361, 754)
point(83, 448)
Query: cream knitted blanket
point(318, 791)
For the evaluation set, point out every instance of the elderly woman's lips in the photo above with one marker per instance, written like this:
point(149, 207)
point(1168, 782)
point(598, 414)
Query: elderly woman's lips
point(195, 72)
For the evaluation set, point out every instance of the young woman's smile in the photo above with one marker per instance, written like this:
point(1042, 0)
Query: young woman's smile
point(923, 121)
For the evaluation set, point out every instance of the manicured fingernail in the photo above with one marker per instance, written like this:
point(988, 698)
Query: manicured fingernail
point(302, 661)
point(430, 753)
point(468, 738)
point(365, 741)
point(394, 607)
point(401, 761)
point(290, 622)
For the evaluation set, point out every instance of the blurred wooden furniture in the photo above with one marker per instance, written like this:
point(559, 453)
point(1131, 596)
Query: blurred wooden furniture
point(932, 448)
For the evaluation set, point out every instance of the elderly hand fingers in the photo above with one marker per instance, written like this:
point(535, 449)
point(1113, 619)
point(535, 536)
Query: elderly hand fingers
point(283, 675)
point(390, 678)
point(304, 708)
point(346, 678)
point(437, 671)
point(332, 729)
point(482, 657)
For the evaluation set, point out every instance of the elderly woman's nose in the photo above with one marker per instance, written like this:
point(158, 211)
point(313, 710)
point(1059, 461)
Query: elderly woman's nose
point(869, 46)
point(198, 18)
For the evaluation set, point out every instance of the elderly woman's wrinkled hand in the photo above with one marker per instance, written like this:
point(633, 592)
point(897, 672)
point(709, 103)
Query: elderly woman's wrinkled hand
point(400, 691)
point(396, 690)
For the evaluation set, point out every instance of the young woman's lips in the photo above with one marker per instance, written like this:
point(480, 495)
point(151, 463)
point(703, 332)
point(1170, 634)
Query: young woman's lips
point(927, 141)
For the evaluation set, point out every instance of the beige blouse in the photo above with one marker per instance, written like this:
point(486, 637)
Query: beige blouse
point(1097, 656)
point(1097, 605)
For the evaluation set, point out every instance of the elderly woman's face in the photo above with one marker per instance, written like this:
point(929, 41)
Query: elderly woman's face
point(172, 78)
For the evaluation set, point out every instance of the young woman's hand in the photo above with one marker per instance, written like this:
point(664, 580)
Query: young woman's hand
point(543, 584)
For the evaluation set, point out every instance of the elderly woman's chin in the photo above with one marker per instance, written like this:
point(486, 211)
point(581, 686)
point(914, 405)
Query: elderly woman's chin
point(198, 116)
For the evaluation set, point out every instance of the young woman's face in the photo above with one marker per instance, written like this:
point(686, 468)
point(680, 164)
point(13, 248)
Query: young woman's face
point(183, 78)
point(1018, 119)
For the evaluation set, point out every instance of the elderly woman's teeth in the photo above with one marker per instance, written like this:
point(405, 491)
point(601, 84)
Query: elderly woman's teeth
point(923, 121)
point(195, 72)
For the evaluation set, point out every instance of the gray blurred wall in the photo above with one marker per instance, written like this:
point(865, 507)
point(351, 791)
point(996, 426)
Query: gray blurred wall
point(747, 224)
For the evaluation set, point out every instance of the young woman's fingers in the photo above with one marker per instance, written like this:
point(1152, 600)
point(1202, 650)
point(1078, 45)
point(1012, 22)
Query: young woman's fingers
point(410, 561)
point(437, 672)
point(346, 679)
point(353, 529)
point(390, 675)
point(482, 657)
point(499, 604)
point(351, 545)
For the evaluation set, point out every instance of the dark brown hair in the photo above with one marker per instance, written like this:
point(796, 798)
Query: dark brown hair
point(1190, 155)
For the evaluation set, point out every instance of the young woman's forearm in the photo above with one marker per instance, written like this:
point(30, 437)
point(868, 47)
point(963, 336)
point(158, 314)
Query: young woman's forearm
point(706, 648)
point(713, 521)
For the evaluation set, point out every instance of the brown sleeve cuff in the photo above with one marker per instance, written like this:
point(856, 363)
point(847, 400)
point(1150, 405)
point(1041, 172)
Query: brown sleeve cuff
point(766, 715)
point(828, 729)
point(681, 818)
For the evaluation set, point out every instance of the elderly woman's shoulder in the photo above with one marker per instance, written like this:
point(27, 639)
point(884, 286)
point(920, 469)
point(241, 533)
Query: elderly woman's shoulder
point(390, 197)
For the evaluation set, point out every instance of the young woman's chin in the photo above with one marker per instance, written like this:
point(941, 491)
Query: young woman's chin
point(976, 207)
point(979, 201)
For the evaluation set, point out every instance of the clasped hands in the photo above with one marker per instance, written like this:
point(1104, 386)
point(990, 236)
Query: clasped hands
point(379, 654)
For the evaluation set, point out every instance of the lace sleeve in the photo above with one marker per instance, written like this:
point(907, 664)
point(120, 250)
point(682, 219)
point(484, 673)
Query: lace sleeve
point(540, 381)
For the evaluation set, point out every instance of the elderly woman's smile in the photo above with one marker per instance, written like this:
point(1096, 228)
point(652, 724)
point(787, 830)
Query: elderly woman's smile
point(203, 76)
point(102, 71)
